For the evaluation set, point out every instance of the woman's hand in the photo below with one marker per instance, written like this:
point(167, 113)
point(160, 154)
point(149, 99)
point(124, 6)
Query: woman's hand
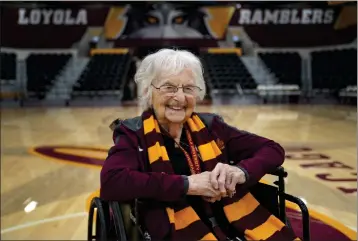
point(200, 185)
point(224, 178)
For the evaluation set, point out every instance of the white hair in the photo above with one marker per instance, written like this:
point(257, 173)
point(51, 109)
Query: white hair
point(168, 62)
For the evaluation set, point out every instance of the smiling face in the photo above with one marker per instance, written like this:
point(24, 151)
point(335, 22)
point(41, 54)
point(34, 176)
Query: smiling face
point(172, 107)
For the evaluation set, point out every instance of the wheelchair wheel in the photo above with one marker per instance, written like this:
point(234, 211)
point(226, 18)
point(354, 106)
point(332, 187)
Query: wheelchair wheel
point(101, 232)
point(118, 221)
point(125, 223)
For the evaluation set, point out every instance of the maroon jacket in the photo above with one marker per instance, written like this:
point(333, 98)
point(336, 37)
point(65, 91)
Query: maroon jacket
point(123, 178)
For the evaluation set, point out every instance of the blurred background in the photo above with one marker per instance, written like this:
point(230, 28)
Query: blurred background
point(286, 70)
point(288, 51)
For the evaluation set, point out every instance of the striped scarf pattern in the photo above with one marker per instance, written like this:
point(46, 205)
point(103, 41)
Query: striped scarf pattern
point(243, 211)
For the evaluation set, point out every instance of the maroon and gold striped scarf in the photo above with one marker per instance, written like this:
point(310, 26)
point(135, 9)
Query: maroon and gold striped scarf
point(243, 211)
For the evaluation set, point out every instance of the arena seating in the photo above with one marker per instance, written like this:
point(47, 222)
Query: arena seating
point(226, 73)
point(103, 75)
point(8, 67)
point(348, 95)
point(334, 70)
point(286, 66)
point(42, 70)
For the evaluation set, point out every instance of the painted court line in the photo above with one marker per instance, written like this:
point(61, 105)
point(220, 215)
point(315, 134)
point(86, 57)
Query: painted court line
point(42, 221)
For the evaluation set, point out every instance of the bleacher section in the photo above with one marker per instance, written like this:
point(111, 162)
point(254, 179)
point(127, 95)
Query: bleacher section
point(227, 73)
point(8, 76)
point(287, 69)
point(334, 70)
point(103, 75)
point(108, 73)
point(285, 66)
point(42, 70)
point(7, 67)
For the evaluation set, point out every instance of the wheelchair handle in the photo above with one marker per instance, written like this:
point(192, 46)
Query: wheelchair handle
point(280, 172)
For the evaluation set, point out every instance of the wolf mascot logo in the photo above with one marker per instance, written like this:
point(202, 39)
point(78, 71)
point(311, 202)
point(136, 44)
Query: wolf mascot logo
point(167, 20)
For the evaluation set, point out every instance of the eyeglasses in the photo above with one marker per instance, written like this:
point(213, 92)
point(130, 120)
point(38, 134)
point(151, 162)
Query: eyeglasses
point(172, 89)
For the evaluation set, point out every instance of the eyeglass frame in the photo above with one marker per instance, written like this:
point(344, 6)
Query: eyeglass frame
point(177, 88)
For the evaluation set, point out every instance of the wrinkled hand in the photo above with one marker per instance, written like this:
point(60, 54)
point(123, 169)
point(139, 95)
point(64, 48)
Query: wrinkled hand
point(199, 184)
point(225, 177)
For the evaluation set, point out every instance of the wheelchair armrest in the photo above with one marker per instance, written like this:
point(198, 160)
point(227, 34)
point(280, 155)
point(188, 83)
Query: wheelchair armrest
point(280, 172)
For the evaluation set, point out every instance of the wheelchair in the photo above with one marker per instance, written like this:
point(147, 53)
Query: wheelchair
point(118, 221)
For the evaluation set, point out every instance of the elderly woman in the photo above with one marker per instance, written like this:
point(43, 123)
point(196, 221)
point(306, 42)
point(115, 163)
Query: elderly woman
point(191, 171)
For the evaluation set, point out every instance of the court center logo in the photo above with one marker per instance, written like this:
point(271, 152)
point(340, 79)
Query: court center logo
point(322, 227)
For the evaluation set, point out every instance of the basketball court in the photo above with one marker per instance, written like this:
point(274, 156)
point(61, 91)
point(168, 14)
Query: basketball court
point(51, 160)
point(283, 70)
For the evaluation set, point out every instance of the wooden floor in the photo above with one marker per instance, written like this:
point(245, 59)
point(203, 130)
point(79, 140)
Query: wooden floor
point(44, 198)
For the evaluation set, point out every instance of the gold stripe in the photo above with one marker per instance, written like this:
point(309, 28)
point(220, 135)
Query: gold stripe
point(153, 153)
point(149, 125)
point(200, 125)
point(192, 125)
point(170, 213)
point(265, 230)
point(216, 149)
point(156, 151)
point(241, 208)
point(209, 236)
point(185, 217)
point(109, 51)
point(164, 153)
point(209, 151)
point(157, 129)
point(206, 151)
point(238, 51)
